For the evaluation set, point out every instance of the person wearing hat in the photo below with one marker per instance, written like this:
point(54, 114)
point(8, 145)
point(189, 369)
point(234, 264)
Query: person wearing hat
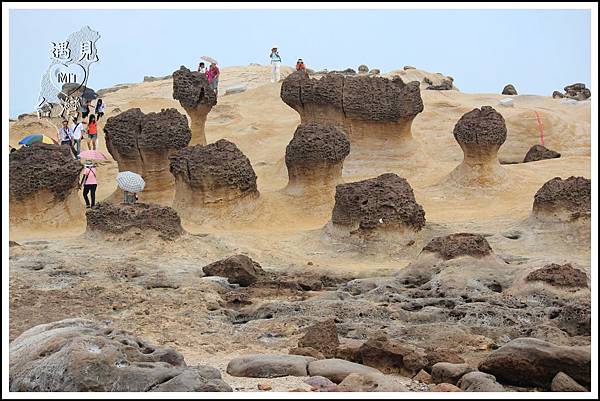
point(300, 65)
point(89, 183)
point(276, 64)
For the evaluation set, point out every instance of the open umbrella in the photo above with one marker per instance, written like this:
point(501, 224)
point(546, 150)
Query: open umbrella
point(130, 181)
point(92, 155)
point(209, 59)
point(33, 138)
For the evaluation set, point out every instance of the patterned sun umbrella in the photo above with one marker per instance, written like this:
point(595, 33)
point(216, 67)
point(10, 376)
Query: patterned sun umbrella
point(209, 59)
point(33, 138)
point(130, 181)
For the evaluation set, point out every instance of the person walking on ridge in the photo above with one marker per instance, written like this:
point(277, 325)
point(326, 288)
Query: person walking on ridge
point(276, 65)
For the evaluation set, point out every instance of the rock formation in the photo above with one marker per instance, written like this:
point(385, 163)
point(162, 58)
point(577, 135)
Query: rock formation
point(576, 91)
point(315, 157)
point(539, 152)
point(238, 269)
point(142, 143)
point(375, 113)
point(212, 176)
point(509, 90)
point(560, 275)
point(561, 200)
point(43, 182)
point(445, 85)
point(480, 133)
point(461, 244)
point(107, 218)
point(195, 96)
point(386, 202)
point(82, 355)
point(363, 69)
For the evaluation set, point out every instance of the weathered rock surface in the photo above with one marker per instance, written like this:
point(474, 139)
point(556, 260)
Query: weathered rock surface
point(460, 244)
point(323, 337)
point(479, 382)
point(539, 152)
point(142, 143)
point(509, 90)
point(120, 218)
point(213, 174)
point(530, 362)
point(269, 366)
point(563, 200)
point(387, 200)
point(82, 355)
point(239, 269)
point(336, 370)
point(560, 275)
point(356, 382)
point(392, 357)
point(445, 372)
point(195, 96)
point(563, 383)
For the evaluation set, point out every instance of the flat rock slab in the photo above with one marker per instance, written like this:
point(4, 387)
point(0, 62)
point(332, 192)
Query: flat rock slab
point(336, 370)
point(269, 365)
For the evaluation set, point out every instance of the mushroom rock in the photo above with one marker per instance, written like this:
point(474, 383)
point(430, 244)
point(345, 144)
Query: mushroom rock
point(460, 244)
point(557, 95)
point(561, 200)
point(480, 133)
point(385, 204)
point(212, 176)
point(577, 91)
point(116, 219)
point(363, 69)
point(540, 152)
point(43, 187)
point(195, 96)
point(142, 143)
point(509, 90)
point(315, 157)
point(375, 113)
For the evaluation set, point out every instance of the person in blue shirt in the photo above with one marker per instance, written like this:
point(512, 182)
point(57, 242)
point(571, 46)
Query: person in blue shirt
point(276, 64)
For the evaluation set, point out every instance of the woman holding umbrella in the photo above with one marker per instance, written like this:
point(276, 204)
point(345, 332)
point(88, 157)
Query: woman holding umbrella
point(90, 183)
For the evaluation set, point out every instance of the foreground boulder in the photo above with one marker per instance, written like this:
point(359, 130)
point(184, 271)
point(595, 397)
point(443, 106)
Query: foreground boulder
point(239, 269)
point(108, 218)
point(214, 175)
point(337, 370)
point(560, 275)
point(561, 200)
point(539, 152)
point(564, 384)
point(43, 183)
point(195, 96)
point(445, 372)
point(142, 143)
point(323, 337)
point(386, 203)
point(315, 157)
point(82, 355)
point(392, 357)
point(269, 366)
point(479, 382)
point(359, 383)
point(530, 362)
point(480, 133)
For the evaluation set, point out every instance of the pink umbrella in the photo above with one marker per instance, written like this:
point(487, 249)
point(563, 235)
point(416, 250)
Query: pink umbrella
point(92, 155)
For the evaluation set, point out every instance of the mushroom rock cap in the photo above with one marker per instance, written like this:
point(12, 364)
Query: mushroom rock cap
point(131, 131)
point(387, 198)
point(572, 196)
point(560, 275)
point(367, 98)
point(539, 152)
point(118, 218)
point(42, 166)
point(509, 89)
point(314, 143)
point(217, 165)
point(481, 126)
point(459, 244)
point(192, 89)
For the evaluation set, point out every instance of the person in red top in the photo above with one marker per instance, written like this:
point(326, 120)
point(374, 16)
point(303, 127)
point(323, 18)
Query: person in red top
point(92, 135)
point(300, 65)
point(213, 77)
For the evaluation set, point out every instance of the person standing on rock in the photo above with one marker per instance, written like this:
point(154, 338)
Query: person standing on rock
point(89, 183)
point(276, 65)
point(65, 136)
point(201, 68)
point(213, 77)
point(92, 133)
point(99, 109)
point(76, 134)
point(300, 65)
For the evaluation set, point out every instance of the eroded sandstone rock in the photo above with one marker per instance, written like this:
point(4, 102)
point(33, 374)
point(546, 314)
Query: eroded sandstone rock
point(563, 200)
point(239, 269)
point(539, 152)
point(460, 244)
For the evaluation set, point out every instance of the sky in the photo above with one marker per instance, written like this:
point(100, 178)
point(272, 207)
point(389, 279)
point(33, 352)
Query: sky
point(538, 51)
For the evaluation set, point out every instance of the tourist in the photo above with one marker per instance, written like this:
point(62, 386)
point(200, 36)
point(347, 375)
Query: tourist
point(92, 133)
point(213, 77)
point(300, 65)
point(85, 107)
point(201, 68)
point(130, 197)
point(99, 109)
point(76, 134)
point(276, 64)
point(89, 183)
point(65, 136)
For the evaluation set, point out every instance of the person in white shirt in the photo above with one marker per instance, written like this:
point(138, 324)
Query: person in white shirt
point(276, 64)
point(76, 134)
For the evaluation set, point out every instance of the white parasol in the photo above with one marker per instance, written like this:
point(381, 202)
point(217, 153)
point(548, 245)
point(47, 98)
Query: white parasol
point(209, 59)
point(131, 182)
